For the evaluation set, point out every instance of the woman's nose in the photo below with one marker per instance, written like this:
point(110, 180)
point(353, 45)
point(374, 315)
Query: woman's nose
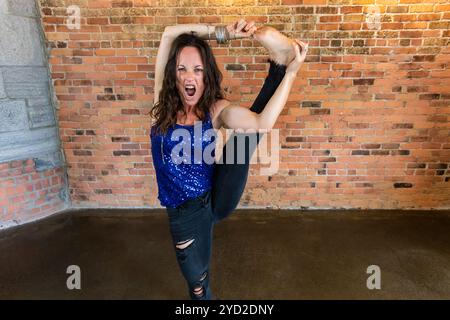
point(190, 74)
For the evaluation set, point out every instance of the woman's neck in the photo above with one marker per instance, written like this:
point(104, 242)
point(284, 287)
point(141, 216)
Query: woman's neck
point(189, 117)
point(189, 109)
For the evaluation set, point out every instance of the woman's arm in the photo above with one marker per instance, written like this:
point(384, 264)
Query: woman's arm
point(236, 117)
point(237, 30)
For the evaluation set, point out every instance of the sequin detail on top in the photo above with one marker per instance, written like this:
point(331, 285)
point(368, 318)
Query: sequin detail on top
point(184, 171)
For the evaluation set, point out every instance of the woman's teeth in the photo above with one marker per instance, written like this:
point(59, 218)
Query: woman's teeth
point(190, 90)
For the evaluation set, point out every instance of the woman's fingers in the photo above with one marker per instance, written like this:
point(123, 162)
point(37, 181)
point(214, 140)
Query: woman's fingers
point(300, 43)
point(249, 25)
point(303, 47)
point(237, 26)
point(300, 49)
point(243, 29)
point(305, 50)
point(297, 51)
point(249, 29)
point(241, 24)
point(250, 32)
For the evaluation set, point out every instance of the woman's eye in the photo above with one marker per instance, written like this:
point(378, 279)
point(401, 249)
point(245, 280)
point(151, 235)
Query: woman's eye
point(198, 70)
point(180, 69)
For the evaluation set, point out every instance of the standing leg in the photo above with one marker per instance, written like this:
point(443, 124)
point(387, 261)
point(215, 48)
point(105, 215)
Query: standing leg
point(191, 228)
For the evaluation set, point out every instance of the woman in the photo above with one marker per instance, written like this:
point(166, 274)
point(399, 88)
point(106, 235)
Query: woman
point(187, 89)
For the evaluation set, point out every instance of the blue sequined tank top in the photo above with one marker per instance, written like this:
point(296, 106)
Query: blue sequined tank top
point(184, 161)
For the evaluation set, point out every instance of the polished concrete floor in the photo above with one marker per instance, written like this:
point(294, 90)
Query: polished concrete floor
point(127, 254)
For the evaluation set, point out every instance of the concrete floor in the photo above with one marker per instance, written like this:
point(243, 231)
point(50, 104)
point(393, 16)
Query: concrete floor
point(126, 254)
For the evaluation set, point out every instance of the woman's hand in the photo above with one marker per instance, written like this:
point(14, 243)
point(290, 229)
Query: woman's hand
point(241, 29)
point(301, 49)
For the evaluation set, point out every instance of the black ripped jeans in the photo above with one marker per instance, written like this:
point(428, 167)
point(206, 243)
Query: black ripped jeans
point(192, 222)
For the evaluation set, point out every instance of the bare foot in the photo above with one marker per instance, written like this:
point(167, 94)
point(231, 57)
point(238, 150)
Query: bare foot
point(281, 49)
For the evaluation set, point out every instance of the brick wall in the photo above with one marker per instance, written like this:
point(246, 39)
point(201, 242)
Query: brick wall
point(28, 193)
point(32, 174)
point(366, 125)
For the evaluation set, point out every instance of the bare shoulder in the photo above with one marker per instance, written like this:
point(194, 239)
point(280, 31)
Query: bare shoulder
point(219, 105)
point(216, 109)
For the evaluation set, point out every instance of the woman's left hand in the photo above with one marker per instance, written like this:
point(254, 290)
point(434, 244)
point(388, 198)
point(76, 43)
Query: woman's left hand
point(241, 29)
point(301, 49)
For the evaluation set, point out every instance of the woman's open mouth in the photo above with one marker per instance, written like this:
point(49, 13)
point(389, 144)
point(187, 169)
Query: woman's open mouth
point(190, 90)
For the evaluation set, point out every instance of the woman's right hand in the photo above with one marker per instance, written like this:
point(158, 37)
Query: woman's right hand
point(241, 29)
point(301, 49)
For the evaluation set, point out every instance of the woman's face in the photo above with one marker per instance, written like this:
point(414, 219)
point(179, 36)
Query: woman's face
point(190, 76)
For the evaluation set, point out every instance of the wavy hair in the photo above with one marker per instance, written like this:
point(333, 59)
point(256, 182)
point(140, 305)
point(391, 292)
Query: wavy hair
point(165, 110)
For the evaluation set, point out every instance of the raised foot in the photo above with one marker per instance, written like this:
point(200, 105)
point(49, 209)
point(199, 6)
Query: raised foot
point(281, 49)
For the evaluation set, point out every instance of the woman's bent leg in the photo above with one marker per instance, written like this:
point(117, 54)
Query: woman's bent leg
point(230, 178)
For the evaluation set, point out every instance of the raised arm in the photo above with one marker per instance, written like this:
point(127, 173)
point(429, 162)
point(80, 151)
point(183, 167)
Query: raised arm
point(237, 30)
point(169, 35)
point(236, 117)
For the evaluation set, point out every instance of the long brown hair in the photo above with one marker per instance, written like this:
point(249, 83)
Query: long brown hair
point(165, 110)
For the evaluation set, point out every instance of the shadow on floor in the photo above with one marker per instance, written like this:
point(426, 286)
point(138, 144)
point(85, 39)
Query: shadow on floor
point(128, 254)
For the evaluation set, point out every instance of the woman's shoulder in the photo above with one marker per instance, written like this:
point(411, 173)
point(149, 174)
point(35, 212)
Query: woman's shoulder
point(218, 106)
point(216, 109)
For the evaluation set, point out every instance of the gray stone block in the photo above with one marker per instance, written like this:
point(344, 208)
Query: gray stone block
point(27, 144)
point(13, 116)
point(2, 87)
point(48, 161)
point(3, 8)
point(27, 120)
point(26, 138)
point(25, 82)
point(26, 8)
point(25, 74)
point(20, 42)
point(18, 90)
point(40, 111)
